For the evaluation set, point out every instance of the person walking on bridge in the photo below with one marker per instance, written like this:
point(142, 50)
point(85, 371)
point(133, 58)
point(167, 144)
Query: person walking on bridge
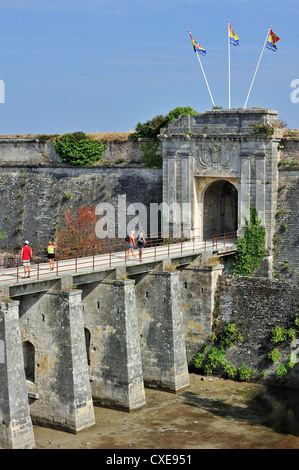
point(26, 255)
point(140, 242)
point(51, 254)
point(131, 245)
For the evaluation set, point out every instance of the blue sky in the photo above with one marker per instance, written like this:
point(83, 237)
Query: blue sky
point(105, 65)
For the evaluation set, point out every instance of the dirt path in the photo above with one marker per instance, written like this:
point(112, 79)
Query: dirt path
point(212, 413)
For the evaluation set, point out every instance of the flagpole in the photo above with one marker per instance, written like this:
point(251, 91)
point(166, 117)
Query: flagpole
point(205, 79)
point(204, 75)
point(258, 65)
point(228, 23)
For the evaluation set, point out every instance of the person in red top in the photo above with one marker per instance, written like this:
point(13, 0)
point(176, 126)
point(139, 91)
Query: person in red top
point(26, 254)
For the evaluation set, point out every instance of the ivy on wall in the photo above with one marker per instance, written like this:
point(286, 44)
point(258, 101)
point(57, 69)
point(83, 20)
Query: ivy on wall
point(250, 248)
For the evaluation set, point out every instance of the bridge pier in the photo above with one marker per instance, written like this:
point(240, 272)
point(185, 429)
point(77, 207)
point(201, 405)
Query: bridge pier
point(58, 384)
point(16, 431)
point(198, 287)
point(161, 331)
point(114, 350)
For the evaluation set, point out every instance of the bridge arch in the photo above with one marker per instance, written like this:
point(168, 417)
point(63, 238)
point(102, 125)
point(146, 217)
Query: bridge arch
point(220, 208)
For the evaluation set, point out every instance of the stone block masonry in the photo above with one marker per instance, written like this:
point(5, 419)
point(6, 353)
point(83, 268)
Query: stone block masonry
point(198, 287)
point(16, 431)
point(36, 191)
point(220, 147)
point(104, 342)
point(114, 350)
point(57, 372)
point(257, 306)
point(161, 331)
point(286, 238)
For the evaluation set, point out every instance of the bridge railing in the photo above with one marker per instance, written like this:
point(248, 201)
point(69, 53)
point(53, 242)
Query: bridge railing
point(103, 253)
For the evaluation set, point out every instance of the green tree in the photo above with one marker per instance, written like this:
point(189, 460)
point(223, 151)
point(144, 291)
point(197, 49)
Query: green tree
point(151, 128)
point(175, 113)
point(250, 248)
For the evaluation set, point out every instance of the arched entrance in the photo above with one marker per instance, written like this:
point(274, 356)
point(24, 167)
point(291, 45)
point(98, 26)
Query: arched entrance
point(220, 214)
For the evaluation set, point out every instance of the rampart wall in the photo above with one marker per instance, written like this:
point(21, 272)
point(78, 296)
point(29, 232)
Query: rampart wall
point(36, 188)
point(105, 339)
point(286, 237)
point(257, 306)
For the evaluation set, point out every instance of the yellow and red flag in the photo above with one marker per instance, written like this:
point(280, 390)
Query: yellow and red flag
point(272, 40)
point(233, 38)
point(197, 47)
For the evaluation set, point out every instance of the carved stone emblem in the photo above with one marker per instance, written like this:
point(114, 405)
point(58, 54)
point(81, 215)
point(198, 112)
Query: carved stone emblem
point(217, 157)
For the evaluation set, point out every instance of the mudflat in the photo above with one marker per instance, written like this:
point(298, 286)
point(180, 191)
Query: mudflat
point(213, 413)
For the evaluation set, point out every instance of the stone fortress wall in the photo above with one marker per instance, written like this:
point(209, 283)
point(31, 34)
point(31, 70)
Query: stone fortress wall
point(36, 188)
point(131, 323)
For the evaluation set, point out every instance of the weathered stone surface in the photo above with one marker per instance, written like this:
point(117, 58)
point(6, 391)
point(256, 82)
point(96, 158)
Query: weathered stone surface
point(218, 146)
point(257, 306)
point(16, 431)
point(198, 286)
point(114, 350)
point(286, 239)
point(59, 386)
point(161, 330)
point(34, 198)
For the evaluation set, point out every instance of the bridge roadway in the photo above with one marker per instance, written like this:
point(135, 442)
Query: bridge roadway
point(181, 254)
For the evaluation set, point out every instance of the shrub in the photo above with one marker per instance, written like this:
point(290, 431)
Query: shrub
point(198, 360)
point(250, 248)
point(230, 335)
point(151, 128)
point(212, 356)
point(151, 157)
point(278, 334)
point(79, 149)
point(175, 113)
point(262, 129)
point(244, 372)
point(274, 355)
point(282, 371)
point(231, 371)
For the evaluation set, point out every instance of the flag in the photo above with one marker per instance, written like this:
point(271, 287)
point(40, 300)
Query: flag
point(272, 40)
point(197, 47)
point(233, 38)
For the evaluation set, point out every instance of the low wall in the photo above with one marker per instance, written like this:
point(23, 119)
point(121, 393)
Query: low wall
point(20, 151)
point(36, 188)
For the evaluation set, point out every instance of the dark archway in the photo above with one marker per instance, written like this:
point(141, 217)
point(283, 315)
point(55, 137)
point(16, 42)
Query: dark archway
point(87, 344)
point(29, 360)
point(220, 209)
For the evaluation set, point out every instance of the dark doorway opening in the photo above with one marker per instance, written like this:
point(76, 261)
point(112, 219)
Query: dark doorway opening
point(29, 360)
point(220, 209)
point(87, 344)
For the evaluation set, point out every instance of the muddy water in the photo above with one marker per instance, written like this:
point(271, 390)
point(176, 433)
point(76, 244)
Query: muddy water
point(212, 413)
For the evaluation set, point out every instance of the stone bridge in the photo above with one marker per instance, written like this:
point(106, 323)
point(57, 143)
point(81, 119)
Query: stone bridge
point(96, 331)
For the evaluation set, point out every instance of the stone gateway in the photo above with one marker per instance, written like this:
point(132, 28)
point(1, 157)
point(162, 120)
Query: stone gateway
point(220, 162)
